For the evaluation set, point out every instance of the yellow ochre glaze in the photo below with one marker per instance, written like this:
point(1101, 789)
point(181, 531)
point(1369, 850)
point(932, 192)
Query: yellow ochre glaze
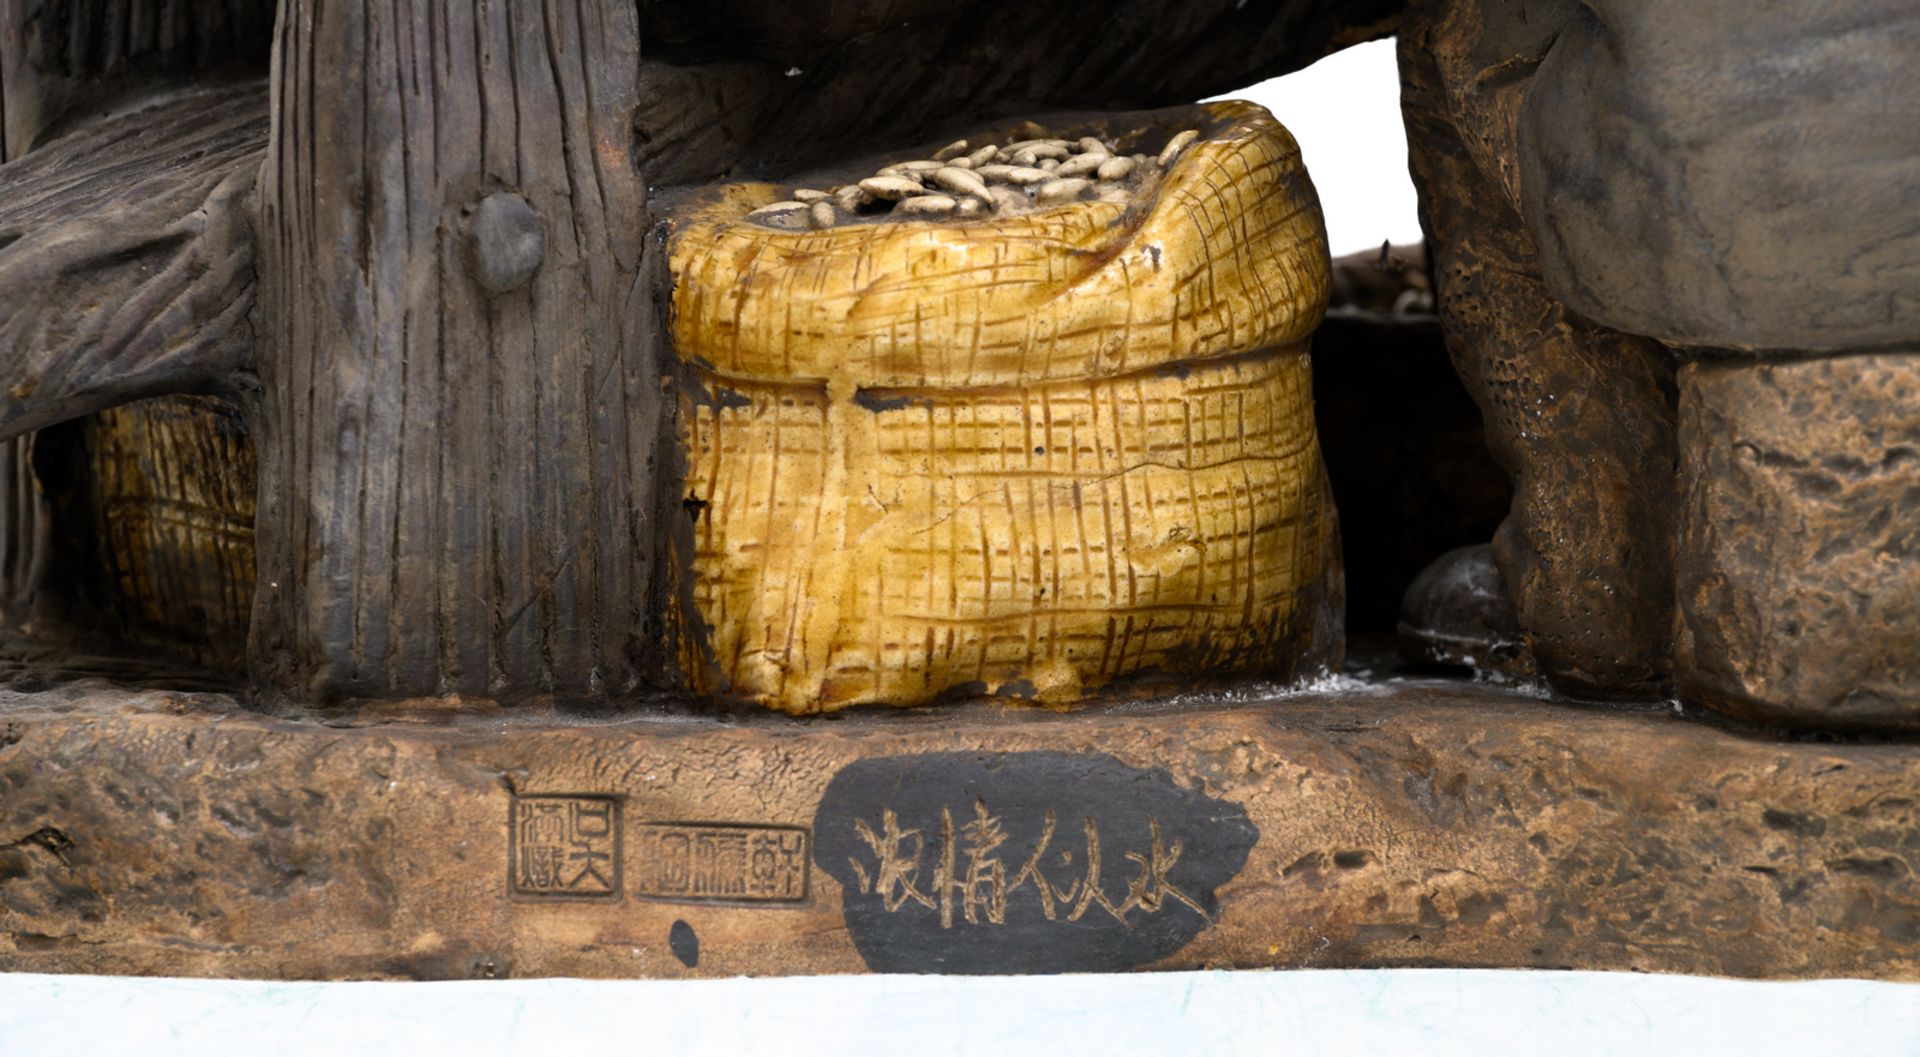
point(1025, 455)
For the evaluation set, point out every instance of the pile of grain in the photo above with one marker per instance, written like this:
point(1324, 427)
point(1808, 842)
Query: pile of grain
point(959, 182)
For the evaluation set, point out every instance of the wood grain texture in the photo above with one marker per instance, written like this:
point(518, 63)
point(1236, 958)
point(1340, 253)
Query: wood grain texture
point(66, 62)
point(458, 487)
point(22, 507)
point(1026, 454)
point(126, 257)
point(24, 533)
point(126, 268)
point(760, 87)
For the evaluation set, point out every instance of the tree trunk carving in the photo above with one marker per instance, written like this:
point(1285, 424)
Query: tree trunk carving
point(458, 484)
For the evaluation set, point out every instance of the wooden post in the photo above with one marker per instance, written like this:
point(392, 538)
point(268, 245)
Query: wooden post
point(459, 362)
point(23, 513)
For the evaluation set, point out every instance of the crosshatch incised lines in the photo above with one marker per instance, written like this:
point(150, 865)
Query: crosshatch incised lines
point(1027, 455)
point(1080, 529)
point(1076, 292)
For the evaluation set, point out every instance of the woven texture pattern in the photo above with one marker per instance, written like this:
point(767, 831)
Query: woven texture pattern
point(1024, 456)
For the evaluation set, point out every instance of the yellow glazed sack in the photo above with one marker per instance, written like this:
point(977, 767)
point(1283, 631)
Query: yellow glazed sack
point(1019, 446)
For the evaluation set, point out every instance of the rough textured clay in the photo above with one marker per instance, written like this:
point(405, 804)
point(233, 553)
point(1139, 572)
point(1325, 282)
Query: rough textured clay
point(437, 439)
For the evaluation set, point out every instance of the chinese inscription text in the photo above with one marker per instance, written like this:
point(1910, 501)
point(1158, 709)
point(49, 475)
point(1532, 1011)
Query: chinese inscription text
point(722, 862)
point(565, 847)
point(971, 870)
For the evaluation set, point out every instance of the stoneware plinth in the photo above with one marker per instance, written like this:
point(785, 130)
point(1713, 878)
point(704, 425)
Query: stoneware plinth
point(1394, 823)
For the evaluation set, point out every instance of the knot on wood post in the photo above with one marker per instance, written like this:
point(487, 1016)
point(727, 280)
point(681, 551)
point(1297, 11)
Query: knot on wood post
point(506, 242)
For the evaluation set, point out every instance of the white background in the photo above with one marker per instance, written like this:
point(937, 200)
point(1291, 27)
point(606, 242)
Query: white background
point(1430, 1013)
point(1345, 113)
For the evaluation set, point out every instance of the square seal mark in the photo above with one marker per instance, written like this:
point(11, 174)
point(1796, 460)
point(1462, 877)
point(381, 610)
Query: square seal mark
point(722, 862)
point(564, 846)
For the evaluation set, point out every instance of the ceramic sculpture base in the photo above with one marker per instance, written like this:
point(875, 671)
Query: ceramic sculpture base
point(1400, 823)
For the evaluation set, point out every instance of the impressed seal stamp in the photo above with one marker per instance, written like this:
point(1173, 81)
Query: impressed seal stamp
point(564, 846)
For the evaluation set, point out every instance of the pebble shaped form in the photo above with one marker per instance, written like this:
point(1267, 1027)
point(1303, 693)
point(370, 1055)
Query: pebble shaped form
point(1055, 192)
point(890, 187)
point(1034, 155)
point(1008, 200)
point(940, 394)
point(507, 242)
point(928, 203)
point(961, 181)
point(777, 208)
point(1115, 169)
point(1080, 164)
point(1029, 144)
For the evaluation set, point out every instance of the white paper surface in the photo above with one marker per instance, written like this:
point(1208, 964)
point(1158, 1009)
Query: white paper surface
point(1433, 1013)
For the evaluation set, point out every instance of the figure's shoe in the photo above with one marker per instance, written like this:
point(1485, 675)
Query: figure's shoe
point(1457, 612)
